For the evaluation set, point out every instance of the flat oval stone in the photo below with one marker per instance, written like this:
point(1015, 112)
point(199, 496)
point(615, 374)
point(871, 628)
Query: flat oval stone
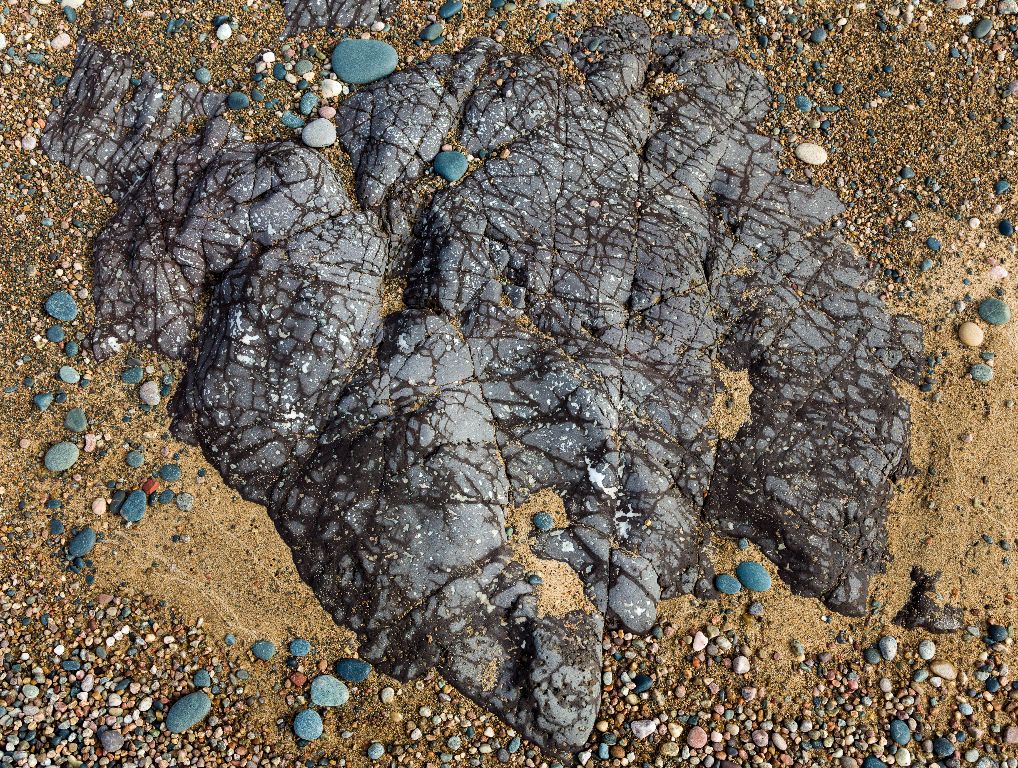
point(61, 457)
point(188, 711)
point(75, 420)
point(753, 576)
point(264, 649)
point(82, 543)
point(328, 691)
point(133, 508)
point(363, 61)
point(451, 165)
point(994, 311)
point(811, 154)
point(727, 584)
point(981, 372)
point(970, 334)
point(61, 306)
point(353, 670)
point(319, 133)
point(307, 725)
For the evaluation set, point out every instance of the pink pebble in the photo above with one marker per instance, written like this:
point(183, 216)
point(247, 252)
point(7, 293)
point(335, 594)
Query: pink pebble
point(327, 112)
point(998, 272)
point(99, 506)
point(697, 737)
point(89, 443)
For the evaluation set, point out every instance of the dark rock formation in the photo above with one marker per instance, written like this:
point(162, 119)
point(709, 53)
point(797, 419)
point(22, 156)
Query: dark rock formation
point(313, 14)
point(565, 311)
point(922, 608)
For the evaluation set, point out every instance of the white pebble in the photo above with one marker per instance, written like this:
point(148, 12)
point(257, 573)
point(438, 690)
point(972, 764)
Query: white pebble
point(149, 393)
point(319, 133)
point(944, 669)
point(60, 42)
point(811, 154)
point(740, 665)
point(331, 88)
point(224, 31)
point(29, 142)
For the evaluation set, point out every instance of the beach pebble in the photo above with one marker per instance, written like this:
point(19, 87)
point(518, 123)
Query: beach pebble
point(375, 751)
point(327, 691)
point(307, 725)
point(697, 737)
point(944, 670)
point(263, 649)
point(727, 584)
point(927, 650)
point(451, 165)
point(740, 665)
point(353, 670)
point(82, 543)
point(363, 61)
point(61, 306)
point(981, 372)
point(75, 420)
point(133, 508)
point(299, 647)
point(971, 334)
point(699, 641)
point(319, 133)
point(61, 41)
point(753, 576)
point(111, 740)
point(888, 647)
point(61, 457)
point(994, 311)
point(900, 732)
point(331, 88)
point(149, 393)
point(188, 711)
point(643, 728)
point(811, 154)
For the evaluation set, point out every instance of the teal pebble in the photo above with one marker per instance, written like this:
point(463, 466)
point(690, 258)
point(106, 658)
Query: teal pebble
point(353, 670)
point(308, 103)
point(375, 750)
point(900, 732)
point(68, 375)
point(203, 76)
point(302, 67)
point(56, 528)
point(132, 376)
point(202, 678)
point(307, 725)
point(450, 8)
point(753, 576)
point(188, 711)
point(170, 472)
point(543, 521)
point(133, 508)
point(55, 334)
point(82, 543)
point(982, 28)
point(75, 420)
point(61, 457)
point(135, 459)
point(981, 372)
point(264, 649)
point(299, 647)
point(994, 311)
point(238, 100)
point(43, 400)
point(290, 120)
point(727, 584)
point(328, 691)
point(363, 61)
point(451, 165)
point(61, 306)
point(433, 31)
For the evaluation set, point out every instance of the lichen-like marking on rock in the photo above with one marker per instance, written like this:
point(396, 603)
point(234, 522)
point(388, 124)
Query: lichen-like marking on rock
point(568, 304)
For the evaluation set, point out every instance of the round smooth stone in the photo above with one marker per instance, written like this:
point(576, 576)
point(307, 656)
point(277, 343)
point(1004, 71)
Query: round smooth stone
point(202, 678)
point(450, 8)
point(299, 647)
point(353, 670)
point(264, 649)
point(1005, 227)
point(319, 133)
point(451, 165)
point(927, 650)
point(375, 751)
point(238, 100)
point(75, 420)
point(543, 521)
point(970, 334)
point(68, 375)
point(982, 373)
point(133, 508)
point(203, 75)
point(188, 711)
point(61, 306)
point(994, 311)
point(982, 28)
point(82, 543)
point(61, 457)
point(363, 61)
point(328, 691)
point(753, 576)
point(307, 725)
point(811, 154)
point(727, 584)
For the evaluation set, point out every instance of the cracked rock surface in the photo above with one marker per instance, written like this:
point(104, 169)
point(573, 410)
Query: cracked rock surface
point(313, 14)
point(564, 313)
